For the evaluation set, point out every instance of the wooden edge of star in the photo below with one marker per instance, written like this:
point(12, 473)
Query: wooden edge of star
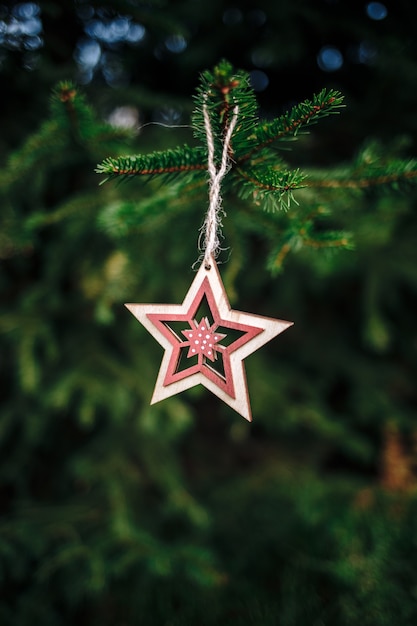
point(268, 327)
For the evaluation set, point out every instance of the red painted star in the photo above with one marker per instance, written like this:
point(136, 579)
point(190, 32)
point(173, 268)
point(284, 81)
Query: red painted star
point(202, 340)
point(206, 341)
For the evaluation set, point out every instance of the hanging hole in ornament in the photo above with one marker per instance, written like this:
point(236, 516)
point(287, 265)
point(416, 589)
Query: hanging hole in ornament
point(207, 267)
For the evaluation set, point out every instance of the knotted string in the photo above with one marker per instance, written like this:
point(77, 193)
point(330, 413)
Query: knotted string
point(212, 223)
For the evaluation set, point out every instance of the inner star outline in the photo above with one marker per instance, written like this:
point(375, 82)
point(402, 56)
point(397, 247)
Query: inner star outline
point(248, 332)
point(163, 320)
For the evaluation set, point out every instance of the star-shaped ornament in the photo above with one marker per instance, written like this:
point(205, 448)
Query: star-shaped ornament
point(206, 341)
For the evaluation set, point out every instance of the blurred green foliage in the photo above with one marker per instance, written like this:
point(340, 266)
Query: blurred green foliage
point(115, 512)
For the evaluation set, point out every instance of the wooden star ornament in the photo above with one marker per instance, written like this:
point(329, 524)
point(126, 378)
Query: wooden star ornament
point(205, 341)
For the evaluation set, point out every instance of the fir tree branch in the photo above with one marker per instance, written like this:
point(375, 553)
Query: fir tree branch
point(67, 94)
point(75, 117)
point(277, 182)
point(220, 90)
point(168, 162)
point(73, 124)
point(270, 184)
point(41, 148)
point(331, 242)
point(277, 263)
point(363, 182)
point(125, 217)
point(323, 104)
point(298, 238)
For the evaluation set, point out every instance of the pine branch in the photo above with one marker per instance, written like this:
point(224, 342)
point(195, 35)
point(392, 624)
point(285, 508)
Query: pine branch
point(401, 173)
point(126, 217)
point(372, 169)
point(290, 124)
point(271, 186)
point(87, 203)
point(73, 103)
point(41, 148)
point(298, 237)
point(72, 124)
point(167, 162)
point(257, 172)
point(220, 90)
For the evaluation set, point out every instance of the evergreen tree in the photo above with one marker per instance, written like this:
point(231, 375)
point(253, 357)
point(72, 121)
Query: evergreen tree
point(115, 512)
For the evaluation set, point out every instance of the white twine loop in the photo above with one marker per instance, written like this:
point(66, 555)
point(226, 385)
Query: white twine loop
point(212, 223)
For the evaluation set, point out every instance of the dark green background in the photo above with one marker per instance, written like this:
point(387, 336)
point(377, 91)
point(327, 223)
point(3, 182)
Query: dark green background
point(117, 513)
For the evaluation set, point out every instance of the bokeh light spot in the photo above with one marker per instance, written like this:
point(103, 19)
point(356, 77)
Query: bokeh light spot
point(26, 10)
point(136, 33)
point(124, 117)
point(258, 80)
point(87, 53)
point(33, 43)
point(175, 43)
point(330, 59)
point(376, 11)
